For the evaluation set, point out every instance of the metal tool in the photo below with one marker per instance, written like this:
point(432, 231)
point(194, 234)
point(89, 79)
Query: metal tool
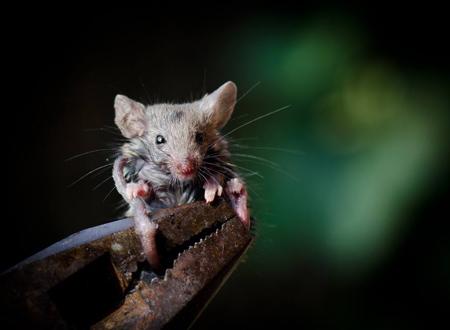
point(98, 278)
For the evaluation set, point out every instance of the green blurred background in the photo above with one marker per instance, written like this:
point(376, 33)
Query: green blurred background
point(349, 185)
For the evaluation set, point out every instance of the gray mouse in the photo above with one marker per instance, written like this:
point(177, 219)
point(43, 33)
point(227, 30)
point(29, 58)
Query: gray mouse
point(175, 155)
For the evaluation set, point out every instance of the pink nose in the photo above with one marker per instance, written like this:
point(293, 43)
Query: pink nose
point(186, 168)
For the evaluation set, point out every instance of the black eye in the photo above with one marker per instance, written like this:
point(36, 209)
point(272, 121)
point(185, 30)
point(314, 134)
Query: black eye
point(199, 138)
point(160, 139)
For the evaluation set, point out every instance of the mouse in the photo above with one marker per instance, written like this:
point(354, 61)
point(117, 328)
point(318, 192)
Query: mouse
point(175, 154)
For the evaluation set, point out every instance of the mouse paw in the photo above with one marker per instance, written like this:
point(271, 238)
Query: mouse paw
point(237, 193)
point(138, 189)
point(211, 189)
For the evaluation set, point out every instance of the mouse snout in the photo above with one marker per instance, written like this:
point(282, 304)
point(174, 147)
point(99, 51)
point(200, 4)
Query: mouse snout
point(187, 167)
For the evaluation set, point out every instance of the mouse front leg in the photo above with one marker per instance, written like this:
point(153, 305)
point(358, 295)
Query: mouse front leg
point(146, 231)
point(237, 194)
point(119, 179)
point(135, 194)
point(129, 190)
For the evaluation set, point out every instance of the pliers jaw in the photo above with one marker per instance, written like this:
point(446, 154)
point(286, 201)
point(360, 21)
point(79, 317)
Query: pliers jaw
point(199, 246)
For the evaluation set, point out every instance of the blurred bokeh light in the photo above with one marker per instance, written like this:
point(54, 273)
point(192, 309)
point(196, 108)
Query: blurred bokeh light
point(360, 141)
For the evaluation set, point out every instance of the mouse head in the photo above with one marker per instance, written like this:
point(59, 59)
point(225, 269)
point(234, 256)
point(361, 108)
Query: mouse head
point(176, 137)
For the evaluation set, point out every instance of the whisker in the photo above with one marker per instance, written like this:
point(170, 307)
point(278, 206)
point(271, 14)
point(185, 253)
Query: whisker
point(88, 153)
point(145, 90)
point(201, 175)
point(88, 173)
point(231, 139)
point(257, 118)
point(208, 172)
point(109, 193)
point(102, 171)
point(120, 205)
point(262, 159)
point(204, 81)
point(101, 183)
point(248, 91)
point(290, 151)
point(107, 129)
point(237, 118)
point(275, 167)
point(249, 171)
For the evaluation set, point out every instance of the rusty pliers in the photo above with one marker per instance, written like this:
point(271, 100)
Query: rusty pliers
point(98, 278)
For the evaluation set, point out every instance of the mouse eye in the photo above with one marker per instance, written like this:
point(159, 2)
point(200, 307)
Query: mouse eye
point(160, 139)
point(199, 138)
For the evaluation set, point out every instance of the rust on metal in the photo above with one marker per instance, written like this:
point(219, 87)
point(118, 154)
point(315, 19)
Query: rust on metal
point(106, 283)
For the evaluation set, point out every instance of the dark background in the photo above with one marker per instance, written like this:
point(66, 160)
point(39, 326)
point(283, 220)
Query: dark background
point(62, 71)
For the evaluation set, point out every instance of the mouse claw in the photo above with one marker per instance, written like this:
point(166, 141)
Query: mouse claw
point(211, 189)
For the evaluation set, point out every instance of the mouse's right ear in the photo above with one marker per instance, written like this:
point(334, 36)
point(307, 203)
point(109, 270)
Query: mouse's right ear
point(130, 116)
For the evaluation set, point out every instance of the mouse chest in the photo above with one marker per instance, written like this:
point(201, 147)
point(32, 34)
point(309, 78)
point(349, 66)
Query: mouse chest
point(174, 195)
point(166, 194)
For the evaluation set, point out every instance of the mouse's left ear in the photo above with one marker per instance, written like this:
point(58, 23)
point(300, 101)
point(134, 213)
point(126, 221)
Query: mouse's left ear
point(219, 105)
